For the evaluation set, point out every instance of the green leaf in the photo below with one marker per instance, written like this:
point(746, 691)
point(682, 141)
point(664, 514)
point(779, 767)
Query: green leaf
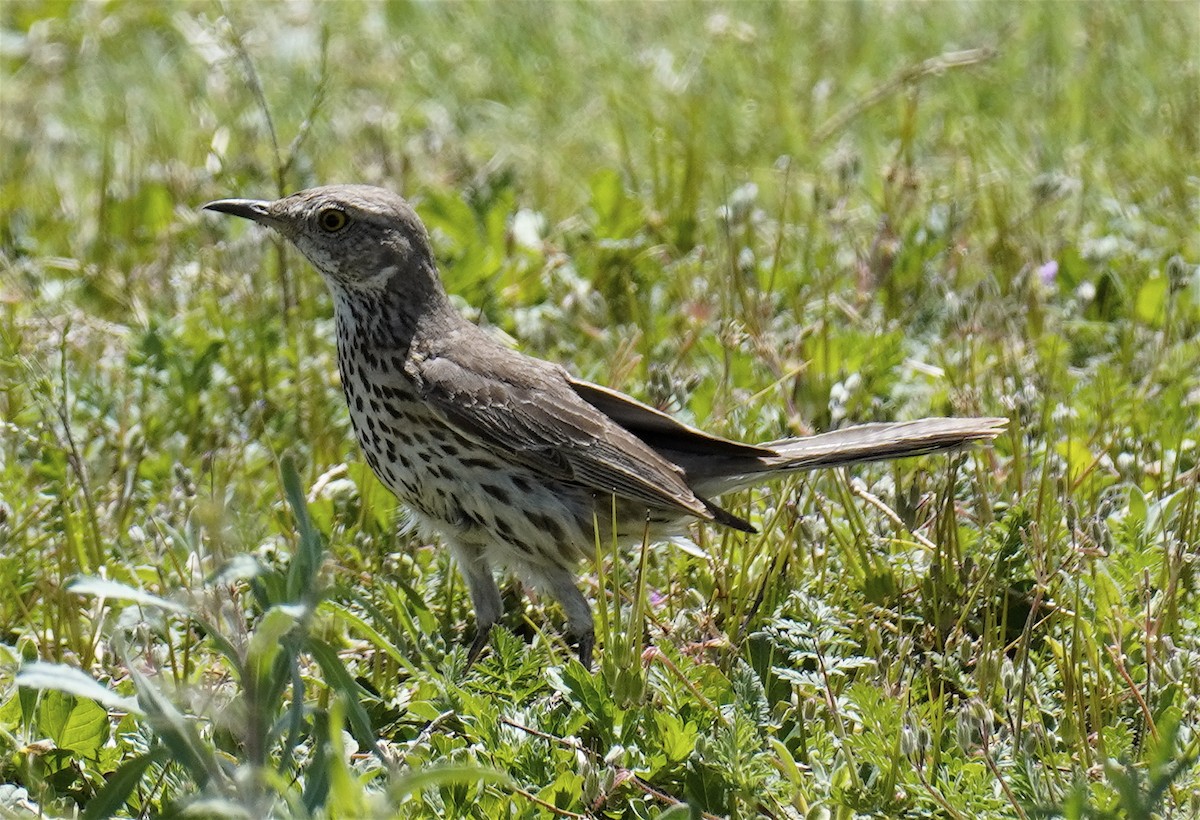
point(585, 689)
point(786, 762)
point(1150, 306)
point(1136, 513)
point(344, 789)
point(303, 573)
point(377, 639)
point(449, 775)
point(176, 732)
point(340, 681)
point(1108, 593)
point(680, 811)
point(114, 591)
point(267, 641)
point(677, 738)
point(617, 214)
point(79, 725)
point(62, 678)
point(115, 794)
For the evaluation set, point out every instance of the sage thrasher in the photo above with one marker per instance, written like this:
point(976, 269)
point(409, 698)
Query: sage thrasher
point(510, 459)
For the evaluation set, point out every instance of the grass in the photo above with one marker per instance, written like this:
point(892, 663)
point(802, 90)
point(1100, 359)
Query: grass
point(766, 218)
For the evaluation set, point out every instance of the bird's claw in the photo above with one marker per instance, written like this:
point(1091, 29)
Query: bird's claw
point(479, 643)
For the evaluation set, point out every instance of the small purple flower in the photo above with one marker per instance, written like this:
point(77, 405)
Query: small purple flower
point(1048, 272)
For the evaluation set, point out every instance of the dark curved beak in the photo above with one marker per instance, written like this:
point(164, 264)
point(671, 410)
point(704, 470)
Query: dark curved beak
point(256, 210)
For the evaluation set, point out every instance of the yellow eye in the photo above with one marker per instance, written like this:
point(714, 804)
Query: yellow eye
point(332, 220)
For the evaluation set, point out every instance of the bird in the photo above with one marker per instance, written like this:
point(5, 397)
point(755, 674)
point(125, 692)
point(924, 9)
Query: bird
point(510, 460)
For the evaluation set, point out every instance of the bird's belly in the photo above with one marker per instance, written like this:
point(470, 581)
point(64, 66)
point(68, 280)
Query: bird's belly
point(477, 499)
point(468, 494)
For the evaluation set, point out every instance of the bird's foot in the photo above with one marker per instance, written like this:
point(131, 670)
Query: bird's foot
point(479, 643)
point(584, 644)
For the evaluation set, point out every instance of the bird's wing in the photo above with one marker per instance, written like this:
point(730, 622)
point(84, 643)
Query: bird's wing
point(658, 429)
point(530, 415)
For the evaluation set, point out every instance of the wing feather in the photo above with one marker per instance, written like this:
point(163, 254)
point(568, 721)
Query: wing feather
point(658, 429)
point(533, 416)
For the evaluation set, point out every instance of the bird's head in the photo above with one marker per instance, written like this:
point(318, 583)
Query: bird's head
point(358, 237)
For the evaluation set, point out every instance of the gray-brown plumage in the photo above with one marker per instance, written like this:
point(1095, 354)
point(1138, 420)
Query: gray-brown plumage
point(510, 459)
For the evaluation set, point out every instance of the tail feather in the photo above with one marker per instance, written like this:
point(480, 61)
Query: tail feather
point(715, 475)
point(879, 442)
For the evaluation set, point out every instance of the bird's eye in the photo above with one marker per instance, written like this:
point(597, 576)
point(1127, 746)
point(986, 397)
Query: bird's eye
point(332, 220)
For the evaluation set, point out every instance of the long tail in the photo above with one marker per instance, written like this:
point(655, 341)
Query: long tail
point(879, 442)
point(853, 445)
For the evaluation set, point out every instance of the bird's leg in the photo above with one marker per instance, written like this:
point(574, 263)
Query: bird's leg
point(585, 644)
point(485, 596)
point(478, 643)
point(560, 583)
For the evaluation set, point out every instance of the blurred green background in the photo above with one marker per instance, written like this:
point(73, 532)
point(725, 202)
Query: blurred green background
point(768, 218)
